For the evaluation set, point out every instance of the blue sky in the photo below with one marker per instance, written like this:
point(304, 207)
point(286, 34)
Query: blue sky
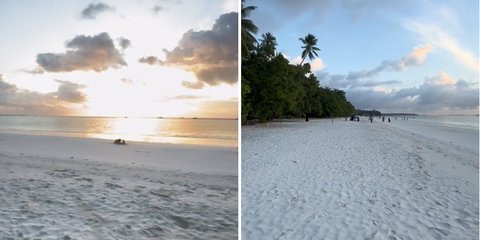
point(408, 56)
point(119, 58)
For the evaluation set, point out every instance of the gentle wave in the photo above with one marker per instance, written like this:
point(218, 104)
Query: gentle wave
point(194, 131)
point(467, 122)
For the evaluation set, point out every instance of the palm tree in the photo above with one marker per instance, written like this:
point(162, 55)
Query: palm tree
point(309, 48)
point(268, 45)
point(248, 30)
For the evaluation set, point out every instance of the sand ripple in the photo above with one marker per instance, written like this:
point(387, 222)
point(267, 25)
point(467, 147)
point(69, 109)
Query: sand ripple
point(53, 199)
point(354, 180)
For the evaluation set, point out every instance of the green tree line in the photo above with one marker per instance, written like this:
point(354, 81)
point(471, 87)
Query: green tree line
point(274, 88)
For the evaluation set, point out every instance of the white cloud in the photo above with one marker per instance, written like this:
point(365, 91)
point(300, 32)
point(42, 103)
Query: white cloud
point(441, 39)
point(365, 78)
point(316, 65)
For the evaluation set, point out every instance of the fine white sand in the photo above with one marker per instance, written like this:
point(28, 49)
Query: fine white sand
point(71, 188)
point(358, 180)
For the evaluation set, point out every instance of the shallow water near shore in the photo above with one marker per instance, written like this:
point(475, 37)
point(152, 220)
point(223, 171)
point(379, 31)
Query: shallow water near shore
point(460, 121)
point(213, 132)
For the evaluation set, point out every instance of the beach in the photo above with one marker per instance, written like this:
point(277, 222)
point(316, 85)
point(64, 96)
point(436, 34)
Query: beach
point(55, 187)
point(359, 180)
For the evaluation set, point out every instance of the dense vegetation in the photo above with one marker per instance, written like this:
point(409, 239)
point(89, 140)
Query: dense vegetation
point(274, 88)
point(368, 112)
point(378, 113)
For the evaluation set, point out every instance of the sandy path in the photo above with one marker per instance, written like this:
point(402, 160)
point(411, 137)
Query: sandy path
point(355, 180)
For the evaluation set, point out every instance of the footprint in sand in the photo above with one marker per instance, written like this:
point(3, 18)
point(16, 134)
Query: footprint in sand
point(180, 221)
point(463, 214)
point(438, 233)
point(462, 223)
point(63, 173)
point(154, 231)
point(84, 179)
point(389, 211)
point(112, 185)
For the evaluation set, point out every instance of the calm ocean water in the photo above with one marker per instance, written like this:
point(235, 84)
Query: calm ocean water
point(468, 122)
point(217, 132)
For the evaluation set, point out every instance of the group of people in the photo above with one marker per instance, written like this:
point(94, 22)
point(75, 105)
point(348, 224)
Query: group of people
point(353, 118)
point(357, 119)
point(382, 117)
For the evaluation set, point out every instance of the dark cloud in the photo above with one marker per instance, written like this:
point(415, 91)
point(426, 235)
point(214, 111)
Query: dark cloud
point(70, 92)
point(156, 9)
point(211, 54)
point(431, 96)
point(160, 8)
point(93, 10)
point(216, 74)
point(7, 90)
point(126, 80)
point(85, 53)
point(6, 87)
point(33, 71)
point(19, 101)
point(193, 85)
point(152, 60)
point(379, 83)
point(208, 47)
point(461, 84)
point(124, 43)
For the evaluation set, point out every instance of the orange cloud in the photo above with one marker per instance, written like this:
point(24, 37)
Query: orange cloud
point(442, 79)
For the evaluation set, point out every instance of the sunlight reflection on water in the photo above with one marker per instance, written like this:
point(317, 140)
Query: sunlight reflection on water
point(213, 132)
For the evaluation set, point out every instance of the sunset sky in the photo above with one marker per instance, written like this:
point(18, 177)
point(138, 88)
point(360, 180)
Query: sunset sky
point(417, 56)
point(169, 58)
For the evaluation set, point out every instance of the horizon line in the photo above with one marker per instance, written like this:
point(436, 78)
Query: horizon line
point(99, 116)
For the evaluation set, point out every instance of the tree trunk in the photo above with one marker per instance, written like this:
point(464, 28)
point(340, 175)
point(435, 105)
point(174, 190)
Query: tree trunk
point(302, 61)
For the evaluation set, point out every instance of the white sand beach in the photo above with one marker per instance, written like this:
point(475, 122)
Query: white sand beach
point(359, 180)
point(75, 188)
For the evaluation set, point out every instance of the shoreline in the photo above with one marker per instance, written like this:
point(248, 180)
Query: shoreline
point(350, 180)
point(193, 141)
point(458, 136)
point(162, 156)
